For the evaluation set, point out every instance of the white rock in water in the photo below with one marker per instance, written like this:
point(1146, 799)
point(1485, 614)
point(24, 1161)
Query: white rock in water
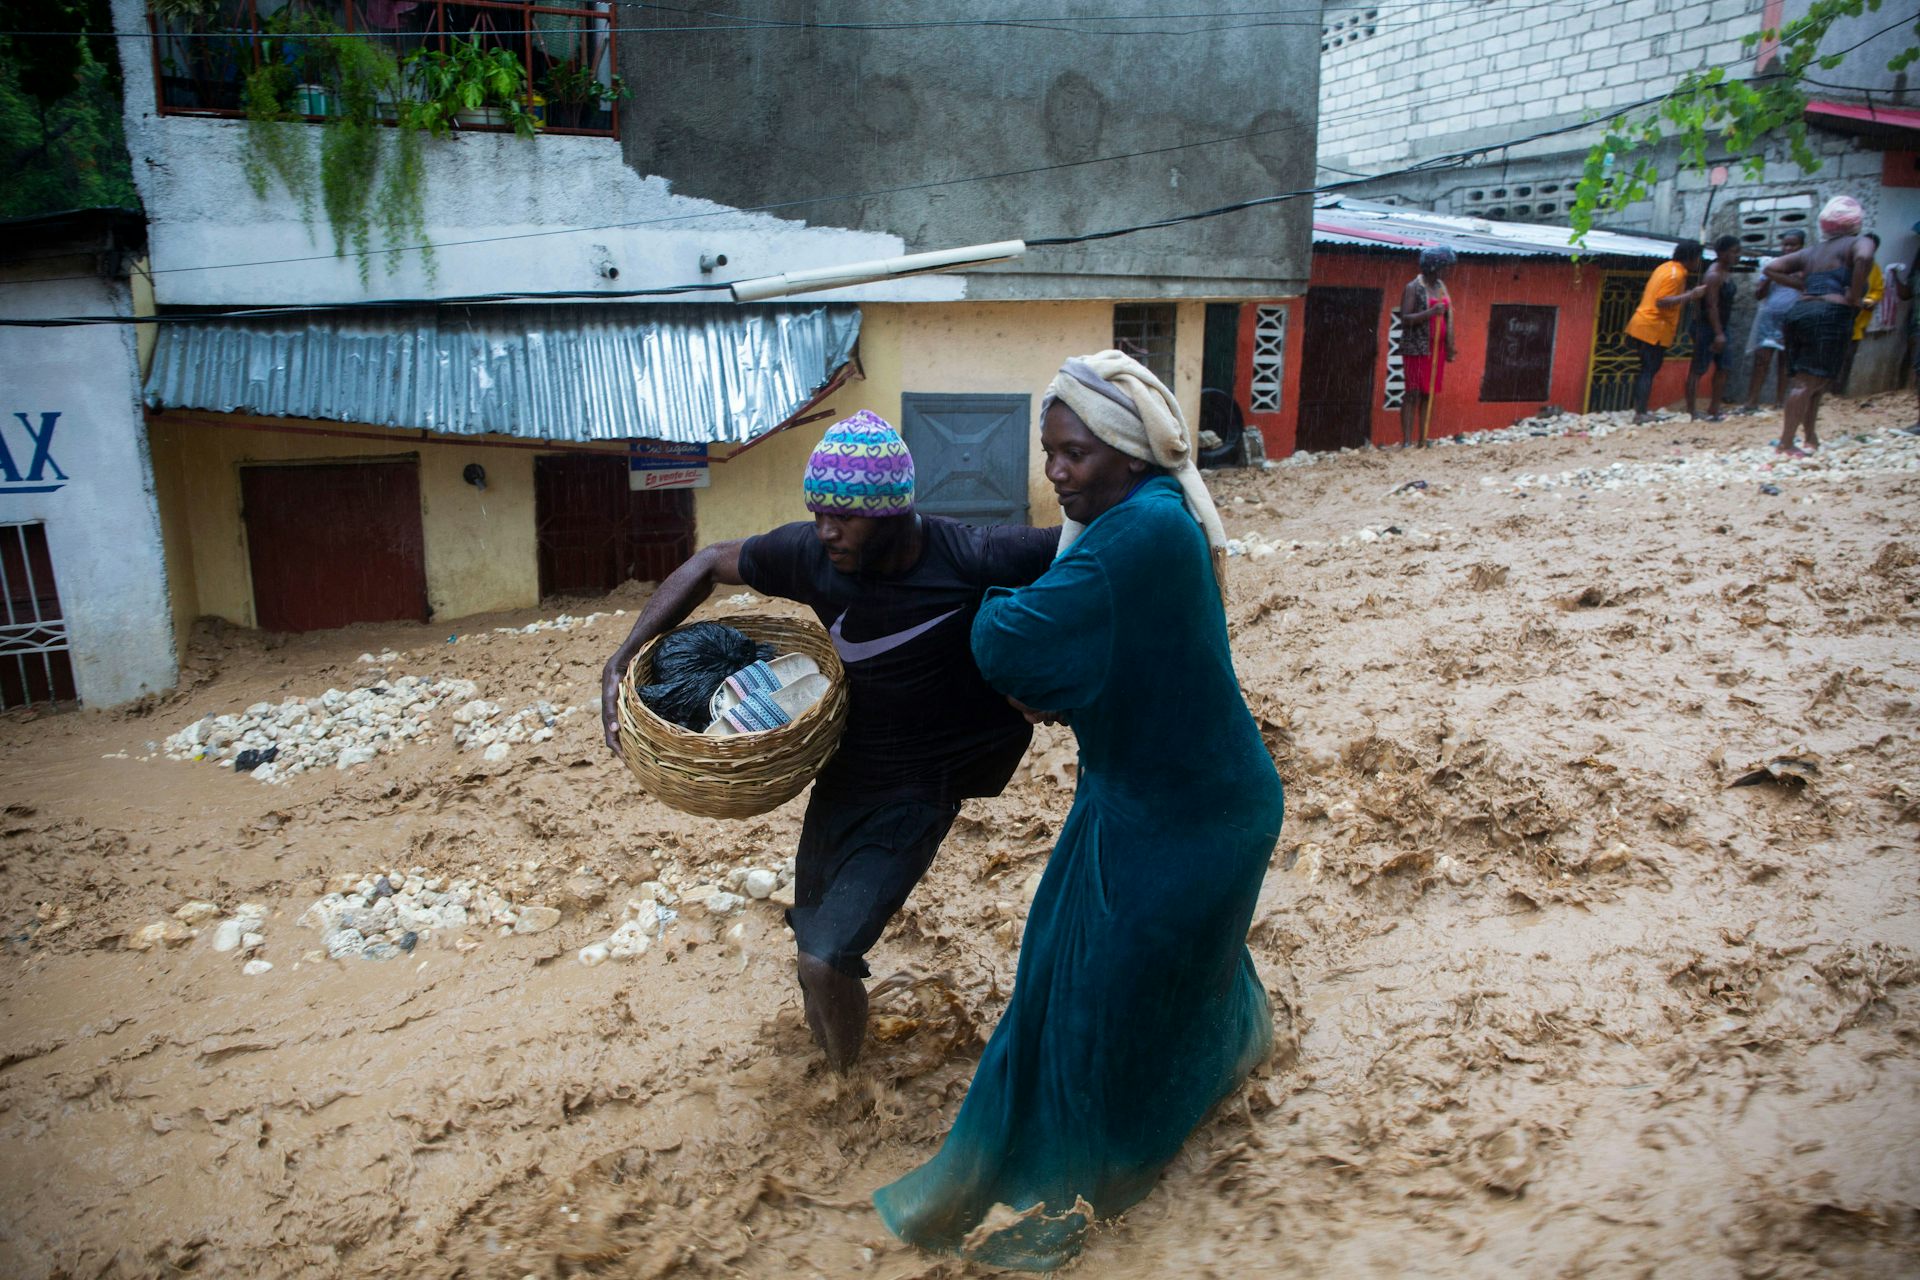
point(351, 757)
point(536, 919)
point(252, 941)
point(759, 883)
point(251, 915)
point(196, 912)
point(160, 933)
point(322, 914)
point(594, 954)
point(644, 913)
point(227, 936)
point(496, 753)
point(345, 942)
point(254, 968)
point(627, 941)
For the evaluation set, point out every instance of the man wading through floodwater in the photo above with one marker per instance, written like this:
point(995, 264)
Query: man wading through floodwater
point(898, 591)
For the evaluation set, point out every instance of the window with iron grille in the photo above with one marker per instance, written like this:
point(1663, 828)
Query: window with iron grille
point(204, 51)
point(1144, 330)
point(1269, 359)
point(36, 664)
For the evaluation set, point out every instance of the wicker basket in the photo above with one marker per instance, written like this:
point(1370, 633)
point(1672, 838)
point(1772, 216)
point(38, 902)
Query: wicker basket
point(743, 774)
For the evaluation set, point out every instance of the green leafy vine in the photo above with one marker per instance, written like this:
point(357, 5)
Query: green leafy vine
point(1707, 107)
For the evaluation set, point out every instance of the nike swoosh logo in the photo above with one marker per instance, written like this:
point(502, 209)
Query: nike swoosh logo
point(861, 650)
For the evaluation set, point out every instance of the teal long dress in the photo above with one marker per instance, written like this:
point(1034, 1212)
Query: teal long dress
point(1135, 1006)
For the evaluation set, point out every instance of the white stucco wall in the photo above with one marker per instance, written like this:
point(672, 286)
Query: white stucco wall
point(506, 214)
point(103, 526)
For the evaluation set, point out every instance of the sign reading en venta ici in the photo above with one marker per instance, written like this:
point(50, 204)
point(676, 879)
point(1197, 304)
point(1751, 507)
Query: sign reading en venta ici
point(41, 474)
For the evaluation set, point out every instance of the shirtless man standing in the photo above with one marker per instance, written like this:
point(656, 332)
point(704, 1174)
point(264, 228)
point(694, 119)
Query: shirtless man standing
point(1710, 346)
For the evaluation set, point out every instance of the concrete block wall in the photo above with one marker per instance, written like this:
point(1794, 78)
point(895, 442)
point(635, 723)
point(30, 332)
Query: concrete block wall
point(1404, 92)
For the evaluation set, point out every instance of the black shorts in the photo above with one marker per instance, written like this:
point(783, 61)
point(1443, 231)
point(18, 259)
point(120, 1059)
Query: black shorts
point(1704, 354)
point(1818, 334)
point(855, 867)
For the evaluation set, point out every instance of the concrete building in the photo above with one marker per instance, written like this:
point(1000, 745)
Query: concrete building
point(81, 564)
point(377, 425)
point(1402, 84)
point(1538, 323)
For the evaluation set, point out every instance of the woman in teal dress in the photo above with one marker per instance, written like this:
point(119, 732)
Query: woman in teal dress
point(1135, 1007)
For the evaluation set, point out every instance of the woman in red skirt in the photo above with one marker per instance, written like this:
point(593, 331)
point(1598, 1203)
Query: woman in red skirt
point(1425, 312)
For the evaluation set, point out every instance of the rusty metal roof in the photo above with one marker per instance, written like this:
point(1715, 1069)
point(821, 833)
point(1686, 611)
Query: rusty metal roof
point(1360, 224)
point(691, 373)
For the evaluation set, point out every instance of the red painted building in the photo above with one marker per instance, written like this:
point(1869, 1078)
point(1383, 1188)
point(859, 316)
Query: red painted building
point(1323, 372)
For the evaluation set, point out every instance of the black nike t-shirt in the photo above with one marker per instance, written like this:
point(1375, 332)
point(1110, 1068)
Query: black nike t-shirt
point(921, 721)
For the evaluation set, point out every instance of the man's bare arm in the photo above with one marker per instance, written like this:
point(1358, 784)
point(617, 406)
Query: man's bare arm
point(684, 590)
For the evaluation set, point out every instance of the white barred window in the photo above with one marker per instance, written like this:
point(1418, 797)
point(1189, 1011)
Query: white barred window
point(1269, 358)
point(1394, 390)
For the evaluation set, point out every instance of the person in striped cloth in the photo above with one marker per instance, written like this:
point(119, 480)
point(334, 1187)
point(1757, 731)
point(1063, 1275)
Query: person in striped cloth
point(897, 590)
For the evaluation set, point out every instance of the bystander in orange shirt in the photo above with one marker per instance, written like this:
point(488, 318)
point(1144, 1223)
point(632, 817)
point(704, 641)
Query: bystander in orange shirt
point(1652, 322)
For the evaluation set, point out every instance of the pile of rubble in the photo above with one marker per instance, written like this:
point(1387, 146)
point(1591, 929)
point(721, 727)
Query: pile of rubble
point(385, 915)
point(242, 932)
point(1843, 458)
point(477, 727)
point(565, 622)
point(1547, 425)
point(662, 903)
point(340, 728)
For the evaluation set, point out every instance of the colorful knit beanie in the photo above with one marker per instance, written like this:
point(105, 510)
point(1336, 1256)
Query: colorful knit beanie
point(861, 468)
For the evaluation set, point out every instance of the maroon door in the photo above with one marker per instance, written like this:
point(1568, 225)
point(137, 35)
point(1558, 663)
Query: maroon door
point(335, 543)
point(596, 533)
point(1336, 369)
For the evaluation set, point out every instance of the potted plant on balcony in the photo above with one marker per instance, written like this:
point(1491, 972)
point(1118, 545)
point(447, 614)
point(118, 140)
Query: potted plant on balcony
point(576, 96)
point(368, 175)
point(466, 84)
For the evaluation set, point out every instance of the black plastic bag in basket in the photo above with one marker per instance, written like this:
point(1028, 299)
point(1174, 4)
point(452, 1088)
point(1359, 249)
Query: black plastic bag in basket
point(690, 664)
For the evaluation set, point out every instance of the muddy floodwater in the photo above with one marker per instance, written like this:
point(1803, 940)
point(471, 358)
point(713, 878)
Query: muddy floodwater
point(1554, 995)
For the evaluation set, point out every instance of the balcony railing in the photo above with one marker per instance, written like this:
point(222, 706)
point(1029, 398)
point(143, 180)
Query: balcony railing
point(204, 50)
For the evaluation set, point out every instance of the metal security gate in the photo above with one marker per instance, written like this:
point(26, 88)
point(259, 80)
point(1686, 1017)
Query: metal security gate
point(1611, 370)
point(36, 662)
point(969, 454)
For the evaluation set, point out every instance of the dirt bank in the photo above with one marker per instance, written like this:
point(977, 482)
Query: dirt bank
point(1554, 996)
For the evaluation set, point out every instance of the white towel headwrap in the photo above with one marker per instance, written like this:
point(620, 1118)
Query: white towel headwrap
point(1125, 406)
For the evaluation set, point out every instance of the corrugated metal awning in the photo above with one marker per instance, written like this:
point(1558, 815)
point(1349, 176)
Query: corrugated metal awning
point(692, 373)
point(1360, 224)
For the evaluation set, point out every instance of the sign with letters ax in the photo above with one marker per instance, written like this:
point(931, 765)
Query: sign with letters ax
point(659, 464)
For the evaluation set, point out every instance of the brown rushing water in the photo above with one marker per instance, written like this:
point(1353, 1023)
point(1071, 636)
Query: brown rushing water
point(1553, 998)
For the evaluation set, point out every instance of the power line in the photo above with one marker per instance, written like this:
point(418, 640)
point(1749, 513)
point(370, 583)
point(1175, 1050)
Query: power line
point(1431, 163)
point(801, 202)
point(741, 22)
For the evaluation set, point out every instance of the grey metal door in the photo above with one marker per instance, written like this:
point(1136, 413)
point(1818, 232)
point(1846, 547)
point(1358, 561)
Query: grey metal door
point(969, 454)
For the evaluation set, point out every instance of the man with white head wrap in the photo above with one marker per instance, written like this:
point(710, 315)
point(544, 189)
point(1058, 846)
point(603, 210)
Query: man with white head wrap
point(1832, 279)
